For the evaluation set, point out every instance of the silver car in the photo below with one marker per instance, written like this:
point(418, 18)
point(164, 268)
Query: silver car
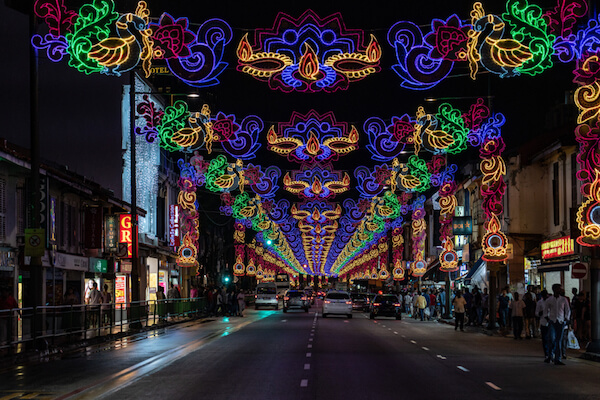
point(337, 302)
point(266, 296)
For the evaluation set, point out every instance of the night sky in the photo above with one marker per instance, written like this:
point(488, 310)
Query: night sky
point(80, 115)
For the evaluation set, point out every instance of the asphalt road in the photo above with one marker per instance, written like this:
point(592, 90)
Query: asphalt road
point(297, 355)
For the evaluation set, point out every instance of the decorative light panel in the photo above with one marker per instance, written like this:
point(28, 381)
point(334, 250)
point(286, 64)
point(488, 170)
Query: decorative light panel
point(309, 54)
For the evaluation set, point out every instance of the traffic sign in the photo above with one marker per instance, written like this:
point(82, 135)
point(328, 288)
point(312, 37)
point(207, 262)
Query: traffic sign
point(34, 242)
point(579, 270)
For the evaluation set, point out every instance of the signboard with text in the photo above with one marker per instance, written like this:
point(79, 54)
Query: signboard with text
point(125, 232)
point(120, 290)
point(462, 225)
point(174, 225)
point(563, 246)
point(111, 234)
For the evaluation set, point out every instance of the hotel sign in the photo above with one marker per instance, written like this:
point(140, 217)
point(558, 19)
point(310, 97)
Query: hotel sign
point(174, 225)
point(563, 246)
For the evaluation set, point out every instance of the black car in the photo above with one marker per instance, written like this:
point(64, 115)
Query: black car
point(386, 305)
point(295, 299)
point(359, 301)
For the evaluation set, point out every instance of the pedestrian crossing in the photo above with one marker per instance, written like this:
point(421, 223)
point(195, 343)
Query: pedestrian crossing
point(16, 394)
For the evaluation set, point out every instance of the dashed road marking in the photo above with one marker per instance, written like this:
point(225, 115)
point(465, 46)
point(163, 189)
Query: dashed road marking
point(395, 333)
point(304, 383)
point(490, 384)
point(404, 336)
point(309, 346)
point(425, 348)
point(389, 329)
point(308, 354)
point(462, 368)
point(413, 342)
point(383, 326)
point(284, 320)
point(306, 367)
point(310, 339)
point(441, 357)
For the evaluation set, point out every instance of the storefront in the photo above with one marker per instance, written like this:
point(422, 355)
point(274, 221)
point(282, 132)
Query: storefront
point(558, 257)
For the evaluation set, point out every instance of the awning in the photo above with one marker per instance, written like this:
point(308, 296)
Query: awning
point(555, 266)
point(473, 270)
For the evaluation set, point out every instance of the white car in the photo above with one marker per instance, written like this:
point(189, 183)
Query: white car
point(337, 302)
point(266, 296)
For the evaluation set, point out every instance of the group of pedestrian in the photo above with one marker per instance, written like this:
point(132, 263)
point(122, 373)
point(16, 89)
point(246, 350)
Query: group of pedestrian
point(222, 301)
point(99, 309)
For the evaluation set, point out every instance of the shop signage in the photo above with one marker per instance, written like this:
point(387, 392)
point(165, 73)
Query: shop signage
point(93, 228)
point(462, 225)
point(125, 231)
point(174, 225)
point(125, 267)
point(563, 246)
point(111, 234)
point(52, 221)
point(120, 290)
point(98, 265)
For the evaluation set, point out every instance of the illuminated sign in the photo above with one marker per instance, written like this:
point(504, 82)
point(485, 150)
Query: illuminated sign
point(563, 246)
point(111, 232)
point(125, 232)
point(462, 225)
point(174, 225)
point(120, 290)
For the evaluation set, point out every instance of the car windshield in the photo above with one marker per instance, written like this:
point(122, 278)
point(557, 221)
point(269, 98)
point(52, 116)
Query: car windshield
point(294, 294)
point(266, 290)
point(337, 296)
point(388, 299)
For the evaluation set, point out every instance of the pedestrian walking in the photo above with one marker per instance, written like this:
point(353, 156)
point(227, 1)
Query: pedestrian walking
point(93, 298)
point(106, 306)
point(220, 304)
point(559, 313)
point(542, 312)
point(503, 302)
point(529, 299)
point(517, 306)
point(408, 304)
point(459, 304)
point(241, 302)
point(469, 299)
point(421, 305)
point(160, 303)
point(476, 311)
point(485, 304)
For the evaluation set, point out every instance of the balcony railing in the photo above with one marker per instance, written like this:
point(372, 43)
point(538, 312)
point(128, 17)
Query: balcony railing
point(53, 326)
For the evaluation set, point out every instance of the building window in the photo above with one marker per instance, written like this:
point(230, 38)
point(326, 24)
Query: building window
point(555, 197)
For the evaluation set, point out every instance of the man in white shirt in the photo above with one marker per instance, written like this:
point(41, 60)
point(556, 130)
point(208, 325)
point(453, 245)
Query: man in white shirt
point(542, 312)
point(559, 313)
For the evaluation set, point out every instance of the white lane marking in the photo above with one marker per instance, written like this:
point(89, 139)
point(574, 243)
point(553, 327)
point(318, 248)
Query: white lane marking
point(304, 383)
point(395, 333)
point(346, 321)
point(309, 346)
point(490, 384)
point(413, 342)
point(312, 334)
point(306, 366)
point(383, 326)
point(389, 329)
point(425, 348)
point(441, 357)
point(308, 354)
point(404, 336)
point(284, 320)
point(462, 368)
point(310, 339)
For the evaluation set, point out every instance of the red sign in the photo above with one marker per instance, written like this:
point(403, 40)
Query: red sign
point(120, 290)
point(125, 231)
point(563, 246)
point(579, 270)
point(174, 225)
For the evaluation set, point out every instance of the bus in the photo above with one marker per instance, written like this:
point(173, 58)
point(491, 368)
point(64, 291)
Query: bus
point(282, 281)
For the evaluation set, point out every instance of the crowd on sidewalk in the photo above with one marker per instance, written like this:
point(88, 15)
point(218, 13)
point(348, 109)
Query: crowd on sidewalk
point(559, 321)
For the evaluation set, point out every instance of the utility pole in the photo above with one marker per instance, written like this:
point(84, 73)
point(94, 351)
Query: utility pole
point(35, 265)
point(493, 268)
point(135, 273)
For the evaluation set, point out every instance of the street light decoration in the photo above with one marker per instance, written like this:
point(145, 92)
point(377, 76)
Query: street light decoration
point(308, 54)
point(60, 21)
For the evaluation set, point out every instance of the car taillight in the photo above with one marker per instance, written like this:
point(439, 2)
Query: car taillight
point(286, 298)
point(396, 304)
point(256, 296)
point(348, 302)
point(327, 301)
point(304, 298)
point(376, 304)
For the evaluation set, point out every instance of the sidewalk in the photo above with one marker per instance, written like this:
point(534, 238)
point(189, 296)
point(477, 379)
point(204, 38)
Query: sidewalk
point(571, 353)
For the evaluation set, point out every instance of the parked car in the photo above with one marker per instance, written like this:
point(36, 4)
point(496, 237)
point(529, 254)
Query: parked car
point(266, 296)
point(359, 301)
point(337, 302)
point(295, 299)
point(386, 305)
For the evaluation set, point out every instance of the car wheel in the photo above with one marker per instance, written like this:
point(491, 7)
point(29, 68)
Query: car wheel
point(349, 316)
point(324, 315)
point(371, 316)
point(398, 317)
point(306, 309)
point(256, 307)
point(277, 307)
point(285, 310)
